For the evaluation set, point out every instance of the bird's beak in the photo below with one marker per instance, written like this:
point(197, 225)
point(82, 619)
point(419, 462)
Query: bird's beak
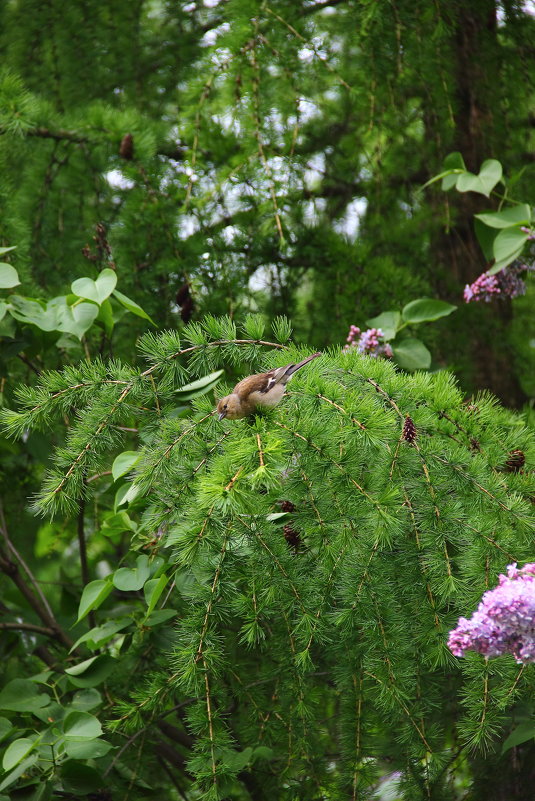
point(221, 415)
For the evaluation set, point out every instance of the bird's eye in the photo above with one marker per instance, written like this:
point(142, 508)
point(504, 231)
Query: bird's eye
point(225, 407)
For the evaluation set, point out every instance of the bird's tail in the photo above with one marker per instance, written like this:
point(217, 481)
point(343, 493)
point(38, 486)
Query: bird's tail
point(293, 367)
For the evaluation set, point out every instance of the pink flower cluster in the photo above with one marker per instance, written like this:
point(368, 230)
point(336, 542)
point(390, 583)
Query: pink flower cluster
point(368, 342)
point(505, 284)
point(504, 622)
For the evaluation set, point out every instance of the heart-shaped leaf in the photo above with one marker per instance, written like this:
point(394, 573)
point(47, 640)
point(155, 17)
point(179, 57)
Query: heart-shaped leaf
point(411, 354)
point(132, 579)
point(93, 595)
point(21, 695)
point(16, 751)
point(81, 726)
point(98, 290)
point(507, 245)
point(453, 166)
point(426, 309)
point(489, 175)
point(124, 463)
point(514, 215)
point(75, 319)
point(88, 749)
point(8, 276)
point(31, 312)
point(388, 322)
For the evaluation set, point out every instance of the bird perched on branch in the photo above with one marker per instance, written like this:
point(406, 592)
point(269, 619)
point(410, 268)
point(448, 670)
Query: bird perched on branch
point(263, 390)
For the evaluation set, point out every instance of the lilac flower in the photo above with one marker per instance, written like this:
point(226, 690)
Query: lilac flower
point(505, 284)
point(504, 622)
point(368, 342)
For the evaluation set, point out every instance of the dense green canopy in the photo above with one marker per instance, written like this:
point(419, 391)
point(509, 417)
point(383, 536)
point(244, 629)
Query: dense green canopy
point(259, 609)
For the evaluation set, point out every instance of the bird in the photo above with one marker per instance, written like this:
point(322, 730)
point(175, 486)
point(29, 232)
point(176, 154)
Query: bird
point(263, 390)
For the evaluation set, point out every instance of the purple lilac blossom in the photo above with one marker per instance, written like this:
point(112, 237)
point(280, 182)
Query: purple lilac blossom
point(504, 622)
point(505, 284)
point(368, 342)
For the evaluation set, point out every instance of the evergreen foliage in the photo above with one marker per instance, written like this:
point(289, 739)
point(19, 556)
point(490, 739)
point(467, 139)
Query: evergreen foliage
point(313, 560)
point(265, 156)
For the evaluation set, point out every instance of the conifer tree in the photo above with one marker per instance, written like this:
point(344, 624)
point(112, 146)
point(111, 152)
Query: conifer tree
point(279, 142)
point(312, 560)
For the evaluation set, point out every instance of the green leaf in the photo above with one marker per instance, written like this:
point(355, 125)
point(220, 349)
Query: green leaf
point(426, 309)
point(86, 699)
point(454, 166)
point(522, 733)
point(105, 317)
point(411, 354)
point(129, 579)
point(8, 276)
point(31, 312)
point(514, 215)
point(6, 728)
point(199, 387)
point(118, 523)
point(7, 250)
point(75, 319)
point(79, 779)
point(81, 726)
point(19, 770)
point(98, 290)
point(16, 751)
point(262, 752)
point(507, 246)
point(485, 237)
point(81, 667)
point(153, 590)
point(22, 695)
point(128, 492)
point(93, 595)
point(159, 616)
point(388, 322)
point(132, 306)
point(101, 634)
point(236, 760)
point(91, 672)
point(123, 463)
point(489, 175)
point(90, 749)
point(499, 265)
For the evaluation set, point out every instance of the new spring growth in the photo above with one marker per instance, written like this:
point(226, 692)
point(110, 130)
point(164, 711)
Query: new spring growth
point(504, 622)
point(368, 342)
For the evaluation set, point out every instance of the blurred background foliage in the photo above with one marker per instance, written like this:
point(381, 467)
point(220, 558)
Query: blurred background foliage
point(257, 156)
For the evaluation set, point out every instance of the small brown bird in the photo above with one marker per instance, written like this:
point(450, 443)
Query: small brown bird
point(262, 390)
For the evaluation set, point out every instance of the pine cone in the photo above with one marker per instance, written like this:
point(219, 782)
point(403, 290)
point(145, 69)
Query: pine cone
point(182, 295)
point(287, 506)
point(515, 462)
point(126, 148)
point(186, 310)
point(409, 430)
point(292, 537)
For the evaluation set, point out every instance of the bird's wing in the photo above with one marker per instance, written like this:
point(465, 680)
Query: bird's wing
point(261, 382)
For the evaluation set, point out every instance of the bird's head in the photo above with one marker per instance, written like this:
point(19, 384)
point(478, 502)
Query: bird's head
point(230, 407)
